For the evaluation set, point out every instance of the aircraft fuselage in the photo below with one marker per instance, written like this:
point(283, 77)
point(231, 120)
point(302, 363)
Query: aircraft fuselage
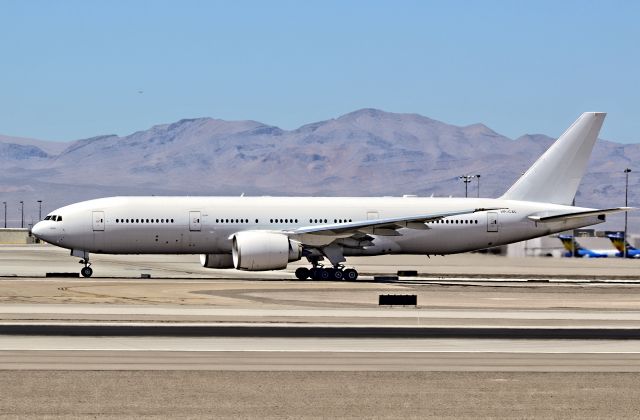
point(199, 225)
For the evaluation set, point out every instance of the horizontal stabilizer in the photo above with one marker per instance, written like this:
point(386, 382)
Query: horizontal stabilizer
point(576, 215)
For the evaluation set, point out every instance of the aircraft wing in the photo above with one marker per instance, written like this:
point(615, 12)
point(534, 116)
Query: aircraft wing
point(575, 215)
point(388, 224)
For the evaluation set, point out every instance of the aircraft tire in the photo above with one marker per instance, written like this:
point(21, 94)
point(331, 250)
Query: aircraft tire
point(302, 273)
point(86, 272)
point(323, 274)
point(350, 274)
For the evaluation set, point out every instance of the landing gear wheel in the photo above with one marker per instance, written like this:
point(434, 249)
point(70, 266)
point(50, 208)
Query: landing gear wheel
point(350, 274)
point(337, 274)
point(323, 274)
point(302, 273)
point(86, 272)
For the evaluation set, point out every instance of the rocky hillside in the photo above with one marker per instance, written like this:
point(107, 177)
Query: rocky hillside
point(366, 152)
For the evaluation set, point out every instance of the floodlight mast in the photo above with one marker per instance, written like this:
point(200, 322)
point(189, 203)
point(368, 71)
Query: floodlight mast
point(626, 199)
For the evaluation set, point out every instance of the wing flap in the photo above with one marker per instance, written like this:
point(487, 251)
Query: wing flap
point(383, 225)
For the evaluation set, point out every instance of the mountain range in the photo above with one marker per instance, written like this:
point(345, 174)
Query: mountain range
point(365, 152)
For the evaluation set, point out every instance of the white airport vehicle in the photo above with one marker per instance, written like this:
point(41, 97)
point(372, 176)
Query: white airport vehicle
point(267, 233)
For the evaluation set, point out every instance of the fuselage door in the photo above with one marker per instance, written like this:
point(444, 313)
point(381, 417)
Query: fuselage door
point(98, 220)
point(492, 221)
point(195, 225)
point(372, 215)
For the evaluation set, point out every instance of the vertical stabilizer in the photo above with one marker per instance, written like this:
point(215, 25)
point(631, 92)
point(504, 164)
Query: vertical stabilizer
point(555, 176)
point(617, 239)
point(570, 244)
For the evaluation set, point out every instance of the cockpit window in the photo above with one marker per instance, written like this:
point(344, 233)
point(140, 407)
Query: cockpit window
point(47, 218)
point(59, 218)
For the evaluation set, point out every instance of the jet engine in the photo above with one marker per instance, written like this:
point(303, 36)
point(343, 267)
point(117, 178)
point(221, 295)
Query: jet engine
point(216, 260)
point(257, 251)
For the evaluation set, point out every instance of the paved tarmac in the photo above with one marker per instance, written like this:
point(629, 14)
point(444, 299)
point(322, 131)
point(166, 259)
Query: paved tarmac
point(554, 358)
point(335, 357)
point(38, 259)
point(199, 394)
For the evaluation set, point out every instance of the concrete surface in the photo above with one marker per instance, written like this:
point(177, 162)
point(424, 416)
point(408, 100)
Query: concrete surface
point(325, 361)
point(295, 377)
point(315, 395)
point(312, 354)
point(38, 259)
point(16, 236)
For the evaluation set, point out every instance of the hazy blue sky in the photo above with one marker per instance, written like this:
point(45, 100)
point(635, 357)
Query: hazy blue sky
point(73, 69)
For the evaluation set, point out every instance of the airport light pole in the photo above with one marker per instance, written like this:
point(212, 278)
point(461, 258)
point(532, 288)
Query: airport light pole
point(39, 210)
point(573, 234)
point(478, 176)
point(466, 179)
point(22, 214)
point(5, 214)
point(626, 199)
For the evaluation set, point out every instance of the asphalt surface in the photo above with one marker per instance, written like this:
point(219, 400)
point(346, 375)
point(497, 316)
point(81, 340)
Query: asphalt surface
point(490, 337)
point(294, 332)
point(135, 394)
point(39, 259)
point(503, 359)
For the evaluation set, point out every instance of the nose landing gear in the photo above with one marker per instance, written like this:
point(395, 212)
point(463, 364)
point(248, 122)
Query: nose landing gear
point(86, 271)
point(84, 259)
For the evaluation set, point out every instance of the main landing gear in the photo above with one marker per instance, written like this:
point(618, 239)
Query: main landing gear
point(322, 273)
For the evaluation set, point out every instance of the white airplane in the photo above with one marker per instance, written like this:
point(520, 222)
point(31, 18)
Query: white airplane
point(267, 233)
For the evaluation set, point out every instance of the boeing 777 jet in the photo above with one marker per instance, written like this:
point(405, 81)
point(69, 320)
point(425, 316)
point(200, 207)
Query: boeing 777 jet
point(267, 233)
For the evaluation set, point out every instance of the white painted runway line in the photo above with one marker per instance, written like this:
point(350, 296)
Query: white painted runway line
point(337, 345)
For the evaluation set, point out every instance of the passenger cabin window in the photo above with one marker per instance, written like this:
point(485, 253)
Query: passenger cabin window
point(59, 218)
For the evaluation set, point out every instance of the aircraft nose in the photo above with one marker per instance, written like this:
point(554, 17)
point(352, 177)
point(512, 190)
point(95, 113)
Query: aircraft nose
point(38, 230)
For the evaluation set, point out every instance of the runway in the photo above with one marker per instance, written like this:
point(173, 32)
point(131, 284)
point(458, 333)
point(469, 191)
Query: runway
point(296, 332)
point(490, 337)
point(188, 346)
point(36, 260)
point(479, 316)
point(336, 357)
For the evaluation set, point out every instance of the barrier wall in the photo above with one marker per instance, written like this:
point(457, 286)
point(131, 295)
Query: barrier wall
point(16, 236)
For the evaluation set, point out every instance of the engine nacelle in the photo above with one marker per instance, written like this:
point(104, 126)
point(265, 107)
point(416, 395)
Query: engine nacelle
point(257, 251)
point(216, 260)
